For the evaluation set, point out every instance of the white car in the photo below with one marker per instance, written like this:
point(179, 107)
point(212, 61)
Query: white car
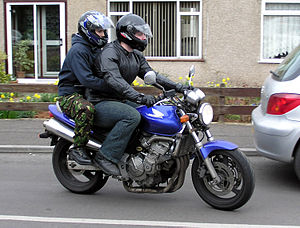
point(276, 120)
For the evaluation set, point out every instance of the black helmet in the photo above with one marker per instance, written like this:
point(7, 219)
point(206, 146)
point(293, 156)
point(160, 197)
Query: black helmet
point(89, 22)
point(128, 26)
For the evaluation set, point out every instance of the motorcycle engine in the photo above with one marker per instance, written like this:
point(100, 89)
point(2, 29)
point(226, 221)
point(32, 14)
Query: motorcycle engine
point(145, 167)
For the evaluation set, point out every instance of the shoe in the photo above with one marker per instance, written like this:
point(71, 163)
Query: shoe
point(106, 166)
point(79, 155)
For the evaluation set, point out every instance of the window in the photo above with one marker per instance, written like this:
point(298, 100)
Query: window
point(176, 26)
point(289, 69)
point(40, 27)
point(280, 29)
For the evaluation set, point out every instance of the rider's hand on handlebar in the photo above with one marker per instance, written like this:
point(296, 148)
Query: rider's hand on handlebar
point(159, 97)
point(181, 88)
point(148, 100)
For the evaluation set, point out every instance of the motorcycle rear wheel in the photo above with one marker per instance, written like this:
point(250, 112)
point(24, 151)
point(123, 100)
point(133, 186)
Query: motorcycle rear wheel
point(237, 180)
point(81, 181)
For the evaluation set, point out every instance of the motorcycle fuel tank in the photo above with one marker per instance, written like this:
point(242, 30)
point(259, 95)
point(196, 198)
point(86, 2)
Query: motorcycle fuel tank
point(160, 120)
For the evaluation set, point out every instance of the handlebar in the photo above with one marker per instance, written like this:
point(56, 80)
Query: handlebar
point(166, 94)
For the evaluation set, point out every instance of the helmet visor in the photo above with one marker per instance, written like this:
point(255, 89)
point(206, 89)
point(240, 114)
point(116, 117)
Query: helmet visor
point(145, 28)
point(101, 21)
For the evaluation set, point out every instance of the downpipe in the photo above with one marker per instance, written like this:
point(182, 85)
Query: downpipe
point(58, 128)
point(185, 161)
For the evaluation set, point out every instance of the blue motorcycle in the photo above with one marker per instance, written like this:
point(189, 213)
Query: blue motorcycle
point(170, 135)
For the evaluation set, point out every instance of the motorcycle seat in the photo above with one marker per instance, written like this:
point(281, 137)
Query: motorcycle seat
point(59, 115)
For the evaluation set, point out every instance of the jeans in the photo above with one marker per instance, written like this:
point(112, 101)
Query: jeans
point(123, 119)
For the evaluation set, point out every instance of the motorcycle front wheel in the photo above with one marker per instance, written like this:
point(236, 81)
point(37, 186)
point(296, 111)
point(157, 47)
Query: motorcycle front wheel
point(77, 181)
point(237, 180)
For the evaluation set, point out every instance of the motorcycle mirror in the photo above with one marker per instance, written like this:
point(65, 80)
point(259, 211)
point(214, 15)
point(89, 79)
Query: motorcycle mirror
point(150, 78)
point(191, 74)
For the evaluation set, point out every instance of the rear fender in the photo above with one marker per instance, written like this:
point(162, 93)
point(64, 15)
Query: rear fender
point(216, 145)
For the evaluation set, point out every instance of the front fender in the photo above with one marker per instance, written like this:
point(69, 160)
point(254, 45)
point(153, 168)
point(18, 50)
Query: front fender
point(216, 145)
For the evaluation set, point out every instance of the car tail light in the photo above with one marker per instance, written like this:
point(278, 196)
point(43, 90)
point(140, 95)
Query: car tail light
point(281, 103)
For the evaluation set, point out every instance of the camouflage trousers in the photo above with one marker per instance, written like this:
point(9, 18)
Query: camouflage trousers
point(82, 112)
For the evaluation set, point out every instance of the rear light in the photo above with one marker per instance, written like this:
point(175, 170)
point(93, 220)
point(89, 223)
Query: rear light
point(51, 115)
point(282, 103)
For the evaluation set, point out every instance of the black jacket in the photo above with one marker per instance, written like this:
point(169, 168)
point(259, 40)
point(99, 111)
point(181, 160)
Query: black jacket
point(119, 68)
point(78, 67)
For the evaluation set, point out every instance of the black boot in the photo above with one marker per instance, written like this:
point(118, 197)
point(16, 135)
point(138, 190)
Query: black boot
point(79, 155)
point(107, 166)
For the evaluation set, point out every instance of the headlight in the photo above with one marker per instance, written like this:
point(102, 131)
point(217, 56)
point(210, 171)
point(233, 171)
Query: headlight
point(206, 113)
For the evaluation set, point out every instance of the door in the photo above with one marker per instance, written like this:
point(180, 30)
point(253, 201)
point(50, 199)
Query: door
point(43, 26)
point(50, 40)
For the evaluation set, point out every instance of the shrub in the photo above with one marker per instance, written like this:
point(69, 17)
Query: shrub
point(16, 114)
point(4, 78)
point(21, 59)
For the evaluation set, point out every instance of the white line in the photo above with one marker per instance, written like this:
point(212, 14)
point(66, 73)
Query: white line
point(25, 149)
point(132, 222)
point(245, 149)
point(49, 149)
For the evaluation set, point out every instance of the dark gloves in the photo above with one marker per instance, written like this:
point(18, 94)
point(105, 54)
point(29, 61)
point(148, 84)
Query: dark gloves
point(181, 88)
point(147, 100)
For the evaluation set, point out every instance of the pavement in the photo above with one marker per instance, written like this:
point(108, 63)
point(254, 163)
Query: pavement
point(22, 136)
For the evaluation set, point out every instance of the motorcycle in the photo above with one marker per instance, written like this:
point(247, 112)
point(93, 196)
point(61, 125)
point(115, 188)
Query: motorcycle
point(171, 133)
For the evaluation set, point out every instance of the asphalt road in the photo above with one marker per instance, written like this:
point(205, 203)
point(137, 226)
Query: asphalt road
point(30, 196)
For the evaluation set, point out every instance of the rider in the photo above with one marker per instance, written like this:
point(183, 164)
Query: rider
point(118, 64)
point(78, 70)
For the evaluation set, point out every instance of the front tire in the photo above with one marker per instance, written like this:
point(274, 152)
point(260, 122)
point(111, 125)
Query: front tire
point(237, 180)
point(79, 181)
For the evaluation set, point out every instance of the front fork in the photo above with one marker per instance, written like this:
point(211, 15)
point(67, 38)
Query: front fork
point(199, 146)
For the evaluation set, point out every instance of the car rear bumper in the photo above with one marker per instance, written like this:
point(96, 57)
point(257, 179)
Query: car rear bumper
point(275, 136)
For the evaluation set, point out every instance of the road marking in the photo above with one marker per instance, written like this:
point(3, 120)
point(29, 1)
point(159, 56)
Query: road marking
point(132, 222)
point(49, 149)
point(25, 149)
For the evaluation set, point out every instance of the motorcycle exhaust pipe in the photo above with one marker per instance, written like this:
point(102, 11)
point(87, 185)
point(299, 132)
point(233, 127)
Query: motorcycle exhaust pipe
point(57, 128)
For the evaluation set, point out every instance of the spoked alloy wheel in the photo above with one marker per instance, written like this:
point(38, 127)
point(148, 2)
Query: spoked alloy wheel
point(237, 180)
point(77, 181)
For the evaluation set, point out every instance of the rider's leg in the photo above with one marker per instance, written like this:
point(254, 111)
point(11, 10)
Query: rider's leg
point(82, 111)
point(122, 119)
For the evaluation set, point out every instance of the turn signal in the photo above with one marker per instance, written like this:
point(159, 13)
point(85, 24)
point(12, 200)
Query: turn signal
point(184, 119)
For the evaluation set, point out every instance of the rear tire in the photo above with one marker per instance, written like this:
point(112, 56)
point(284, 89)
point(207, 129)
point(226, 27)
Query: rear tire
point(237, 180)
point(77, 181)
point(297, 162)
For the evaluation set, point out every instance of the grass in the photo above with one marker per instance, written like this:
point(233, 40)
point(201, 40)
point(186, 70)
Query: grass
point(16, 114)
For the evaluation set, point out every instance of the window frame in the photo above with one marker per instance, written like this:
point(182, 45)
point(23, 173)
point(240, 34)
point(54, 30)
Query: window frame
point(178, 24)
point(265, 12)
point(8, 26)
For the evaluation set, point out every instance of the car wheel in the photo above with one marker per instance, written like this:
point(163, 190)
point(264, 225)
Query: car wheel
point(297, 162)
